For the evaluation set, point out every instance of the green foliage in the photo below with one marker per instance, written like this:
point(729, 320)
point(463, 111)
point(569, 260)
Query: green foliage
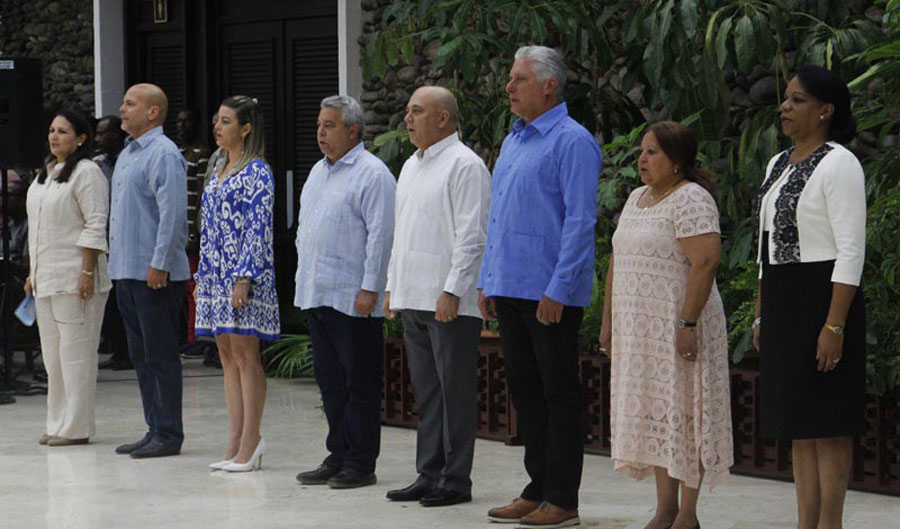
point(290, 357)
point(681, 60)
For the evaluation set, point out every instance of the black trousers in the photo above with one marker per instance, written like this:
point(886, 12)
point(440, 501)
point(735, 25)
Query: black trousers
point(151, 325)
point(114, 330)
point(542, 373)
point(348, 356)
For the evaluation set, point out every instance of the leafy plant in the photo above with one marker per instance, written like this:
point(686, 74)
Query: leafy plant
point(290, 357)
point(689, 60)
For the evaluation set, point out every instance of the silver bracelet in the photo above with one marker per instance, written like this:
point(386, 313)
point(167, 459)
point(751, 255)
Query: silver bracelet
point(88, 273)
point(756, 323)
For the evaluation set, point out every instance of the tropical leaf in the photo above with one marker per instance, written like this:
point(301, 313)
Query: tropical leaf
point(744, 43)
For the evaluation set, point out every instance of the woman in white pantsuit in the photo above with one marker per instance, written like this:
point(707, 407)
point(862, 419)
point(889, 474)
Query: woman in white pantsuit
point(68, 204)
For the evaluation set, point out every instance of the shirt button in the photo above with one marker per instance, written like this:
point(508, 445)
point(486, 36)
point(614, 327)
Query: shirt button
point(494, 219)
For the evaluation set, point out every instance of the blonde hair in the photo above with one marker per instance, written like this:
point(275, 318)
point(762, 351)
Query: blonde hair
point(248, 111)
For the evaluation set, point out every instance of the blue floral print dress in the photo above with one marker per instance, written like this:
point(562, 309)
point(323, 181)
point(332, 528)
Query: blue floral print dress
point(236, 241)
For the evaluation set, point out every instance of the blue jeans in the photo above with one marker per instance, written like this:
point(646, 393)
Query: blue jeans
point(151, 320)
point(348, 355)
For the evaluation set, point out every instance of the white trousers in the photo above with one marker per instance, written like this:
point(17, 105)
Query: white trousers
point(70, 335)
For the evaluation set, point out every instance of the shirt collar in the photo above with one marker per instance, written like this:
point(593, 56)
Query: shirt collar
point(349, 158)
point(436, 148)
point(145, 138)
point(545, 122)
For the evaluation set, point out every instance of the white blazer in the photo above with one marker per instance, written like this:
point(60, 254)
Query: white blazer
point(63, 219)
point(819, 213)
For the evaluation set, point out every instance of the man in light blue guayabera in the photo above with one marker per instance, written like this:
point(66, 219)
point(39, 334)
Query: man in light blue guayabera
point(344, 238)
point(148, 263)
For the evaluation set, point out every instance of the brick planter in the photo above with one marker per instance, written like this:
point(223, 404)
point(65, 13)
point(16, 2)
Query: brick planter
point(876, 455)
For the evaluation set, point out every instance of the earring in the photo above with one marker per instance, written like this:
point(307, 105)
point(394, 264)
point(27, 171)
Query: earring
point(676, 170)
point(822, 117)
point(80, 144)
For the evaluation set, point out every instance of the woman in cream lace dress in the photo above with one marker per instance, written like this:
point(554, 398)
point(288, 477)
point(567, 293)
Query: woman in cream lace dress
point(664, 328)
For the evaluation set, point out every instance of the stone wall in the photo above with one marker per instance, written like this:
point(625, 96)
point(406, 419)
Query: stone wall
point(60, 33)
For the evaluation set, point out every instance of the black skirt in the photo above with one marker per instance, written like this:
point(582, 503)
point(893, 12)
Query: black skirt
point(796, 400)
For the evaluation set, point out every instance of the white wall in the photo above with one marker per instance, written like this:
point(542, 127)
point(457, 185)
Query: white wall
point(109, 56)
point(349, 30)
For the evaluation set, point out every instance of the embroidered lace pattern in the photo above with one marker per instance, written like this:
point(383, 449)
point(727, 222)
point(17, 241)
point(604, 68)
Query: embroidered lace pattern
point(666, 411)
point(786, 236)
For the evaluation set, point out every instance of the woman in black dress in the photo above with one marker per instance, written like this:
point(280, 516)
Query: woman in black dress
point(810, 326)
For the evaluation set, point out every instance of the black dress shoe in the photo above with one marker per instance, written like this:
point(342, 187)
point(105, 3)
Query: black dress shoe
point(131, 447)
point(442, 497)
point(414, 492)
point(156, 448)
point(319, 476)
point(350, 479)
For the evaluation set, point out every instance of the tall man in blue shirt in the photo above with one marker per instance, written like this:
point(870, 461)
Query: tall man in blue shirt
point(147, 261)
point(536, 279)
point(344, 238)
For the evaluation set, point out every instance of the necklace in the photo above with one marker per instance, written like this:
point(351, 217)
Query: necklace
point(656, 199)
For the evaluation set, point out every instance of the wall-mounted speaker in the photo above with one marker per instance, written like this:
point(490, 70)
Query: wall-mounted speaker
point(22, 131)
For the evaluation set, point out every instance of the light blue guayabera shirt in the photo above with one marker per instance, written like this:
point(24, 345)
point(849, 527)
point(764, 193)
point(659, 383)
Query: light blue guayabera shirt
point(540, 237)
point(345, 232)
point(148, 209)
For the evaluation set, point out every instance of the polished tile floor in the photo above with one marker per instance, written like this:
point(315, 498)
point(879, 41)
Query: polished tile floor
point(89, 487)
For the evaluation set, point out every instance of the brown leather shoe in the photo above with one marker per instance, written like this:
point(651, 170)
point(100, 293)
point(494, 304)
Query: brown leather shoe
point(62, 441)
point(513, 512)
point(549, 516)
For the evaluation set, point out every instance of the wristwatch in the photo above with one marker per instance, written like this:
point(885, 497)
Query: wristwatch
point(684, 324)
point(836, 329)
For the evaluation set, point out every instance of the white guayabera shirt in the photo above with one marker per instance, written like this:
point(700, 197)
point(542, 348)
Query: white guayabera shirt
point(443, 202)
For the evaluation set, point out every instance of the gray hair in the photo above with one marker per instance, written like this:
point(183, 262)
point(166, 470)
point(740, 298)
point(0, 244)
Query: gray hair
point(546, 63)
point(351, 111)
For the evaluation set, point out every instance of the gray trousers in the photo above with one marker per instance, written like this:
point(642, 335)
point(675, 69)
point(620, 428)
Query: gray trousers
point(443, 358)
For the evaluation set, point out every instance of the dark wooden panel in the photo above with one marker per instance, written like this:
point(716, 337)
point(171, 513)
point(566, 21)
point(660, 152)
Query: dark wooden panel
point(242, 11)
point(313, 72)
point(252, 67)
point(164, 66)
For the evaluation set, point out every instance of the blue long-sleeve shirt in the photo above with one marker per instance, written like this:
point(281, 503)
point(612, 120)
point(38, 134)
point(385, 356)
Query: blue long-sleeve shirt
point(148, 209)
point(345, 232)
point(540, 238)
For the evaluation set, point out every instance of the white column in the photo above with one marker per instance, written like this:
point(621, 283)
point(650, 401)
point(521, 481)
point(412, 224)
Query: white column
point(109, 56)
point(349, 30)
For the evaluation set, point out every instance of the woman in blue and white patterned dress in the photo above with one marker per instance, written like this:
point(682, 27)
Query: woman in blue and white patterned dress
point(236, 298)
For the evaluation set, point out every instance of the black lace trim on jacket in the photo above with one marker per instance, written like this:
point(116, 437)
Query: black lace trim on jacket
point(786, 236)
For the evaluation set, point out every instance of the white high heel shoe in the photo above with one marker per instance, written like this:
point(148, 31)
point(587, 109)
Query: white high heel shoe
point(219, 465)
point(254, 463)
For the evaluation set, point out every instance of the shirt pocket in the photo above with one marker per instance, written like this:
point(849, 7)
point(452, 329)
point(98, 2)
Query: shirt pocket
point(333, 272)
point(526, 255)
point(422, 270)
